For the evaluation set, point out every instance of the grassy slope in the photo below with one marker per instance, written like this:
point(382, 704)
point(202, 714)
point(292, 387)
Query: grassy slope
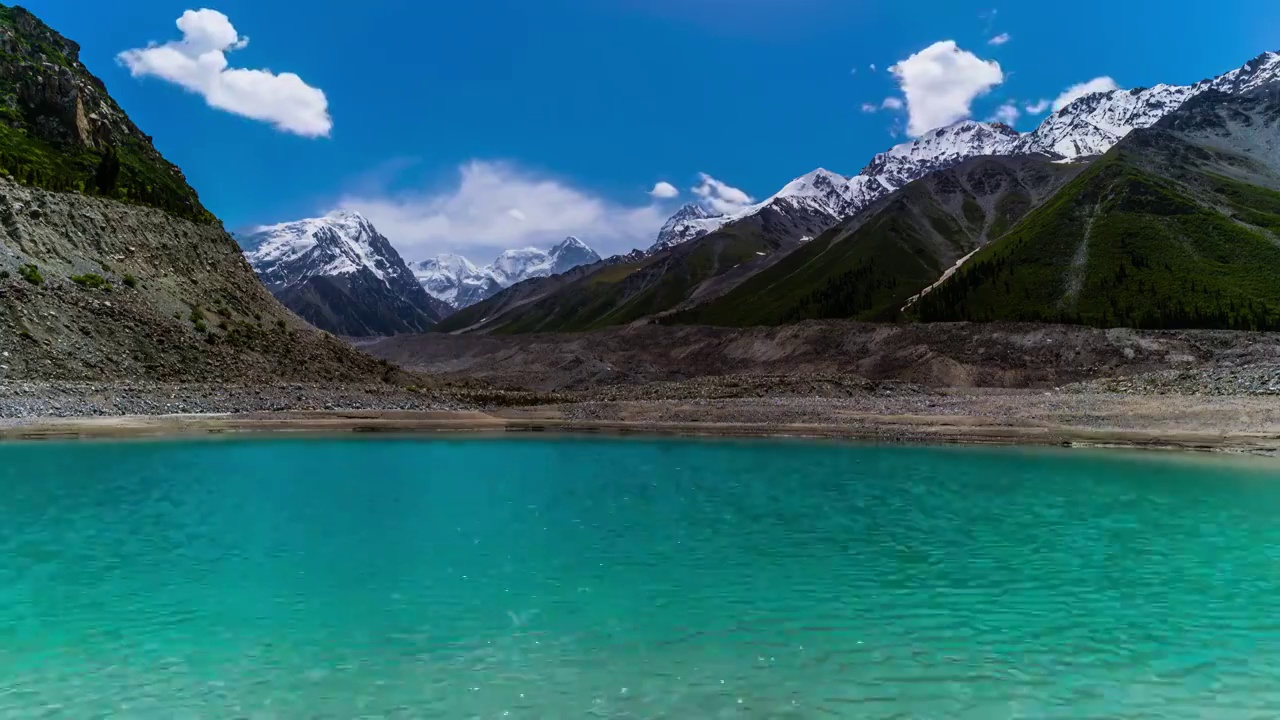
point(867, 268)
point(1121, 246)
point(130, 170)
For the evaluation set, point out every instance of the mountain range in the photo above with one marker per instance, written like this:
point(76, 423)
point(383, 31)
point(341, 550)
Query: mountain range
point(801, 249)
point(455, 281)
point(1089, 126)
point(692, 271)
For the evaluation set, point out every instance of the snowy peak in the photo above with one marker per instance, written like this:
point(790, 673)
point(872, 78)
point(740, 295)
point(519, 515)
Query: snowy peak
point(690, 222)
point(339, 243)
point(820, 183)
point(341, 274)
point(1262, 70)
point(456, 281)
point(569, 254)
point(512, 266)
point(1093, 124)
point(939, 149)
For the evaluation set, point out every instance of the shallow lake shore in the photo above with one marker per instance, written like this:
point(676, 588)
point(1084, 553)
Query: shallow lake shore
point(1231, 424)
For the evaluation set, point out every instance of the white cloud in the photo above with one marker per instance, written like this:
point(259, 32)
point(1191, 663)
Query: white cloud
point(1037, 107)
point(496, 206)
point(940, 84)
point(1007, 113)
point(1075, 92)
point(892, 103)
point(719, 197)
point(198, 64)
point(872, 66)
point(870, 108)
point(1000, 39)
point(664, 191)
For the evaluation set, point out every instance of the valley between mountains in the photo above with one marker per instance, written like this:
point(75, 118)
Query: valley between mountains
point(1116, 270)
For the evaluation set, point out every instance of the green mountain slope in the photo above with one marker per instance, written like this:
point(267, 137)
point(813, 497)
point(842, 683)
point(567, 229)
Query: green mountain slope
point(1177, 226)
point(61, 131)
point(870, 265)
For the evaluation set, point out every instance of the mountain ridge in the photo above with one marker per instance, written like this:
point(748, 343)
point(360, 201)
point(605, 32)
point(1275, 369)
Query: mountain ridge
point(1089, 125)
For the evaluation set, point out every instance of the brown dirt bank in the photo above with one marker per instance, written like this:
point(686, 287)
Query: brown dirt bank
point(1240, 425)
point(998, 355)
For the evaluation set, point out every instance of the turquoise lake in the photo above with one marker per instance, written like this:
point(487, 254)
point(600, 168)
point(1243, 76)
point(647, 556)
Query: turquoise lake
point(597, 578)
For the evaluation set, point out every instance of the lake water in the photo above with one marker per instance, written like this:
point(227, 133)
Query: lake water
point(567, 578)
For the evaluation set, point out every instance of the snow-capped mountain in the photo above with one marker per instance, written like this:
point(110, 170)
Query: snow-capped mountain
point(339, 273)
point(1089, 126)
point(826, 197)
point(1092, 124)
point(689, 222)
point(456, 281)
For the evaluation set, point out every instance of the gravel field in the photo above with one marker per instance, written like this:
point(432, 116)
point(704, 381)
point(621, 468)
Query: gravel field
point(19, 400)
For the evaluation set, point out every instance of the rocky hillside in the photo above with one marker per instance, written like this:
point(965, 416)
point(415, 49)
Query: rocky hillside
point(110, 268)
point(340, 274)
point(1177, 226)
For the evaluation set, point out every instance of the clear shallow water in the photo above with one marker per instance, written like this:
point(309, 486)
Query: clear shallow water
point(619, 579)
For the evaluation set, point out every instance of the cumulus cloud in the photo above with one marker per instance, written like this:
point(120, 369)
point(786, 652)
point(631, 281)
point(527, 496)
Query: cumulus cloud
point(1007, 113)
point(892, 103)
point(872, 66)
point(664, 191)
point(1037, 107)
point(495, 206)
point(719, 197)
point(198, 63)
point(1075, 92)
point(1000, 39)
point(870, 107)
point(940, 84)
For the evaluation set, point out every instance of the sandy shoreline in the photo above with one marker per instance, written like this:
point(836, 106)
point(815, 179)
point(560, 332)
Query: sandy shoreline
point(896, 428)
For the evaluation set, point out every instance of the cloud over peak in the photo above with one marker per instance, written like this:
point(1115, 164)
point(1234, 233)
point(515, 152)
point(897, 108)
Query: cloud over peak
point(940, 84)
point(720, 197)
point(1075, 92)
point(198, 63)
point(664, 191)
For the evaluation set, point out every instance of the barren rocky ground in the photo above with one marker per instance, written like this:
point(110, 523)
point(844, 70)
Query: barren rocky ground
point(832, 358)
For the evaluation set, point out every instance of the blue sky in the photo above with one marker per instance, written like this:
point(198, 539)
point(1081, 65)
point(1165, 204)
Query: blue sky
point(478, 125)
